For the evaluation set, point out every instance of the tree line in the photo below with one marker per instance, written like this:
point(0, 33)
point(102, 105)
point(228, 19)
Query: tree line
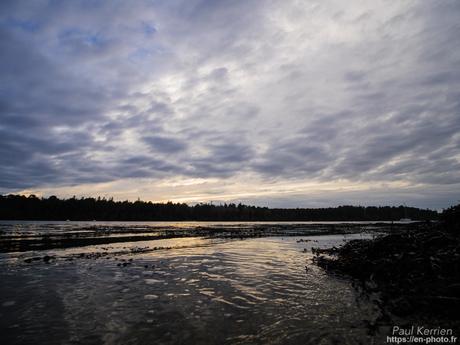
point(20, 207)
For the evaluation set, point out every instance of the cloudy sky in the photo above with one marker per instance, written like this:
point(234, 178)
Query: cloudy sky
point(278, 103)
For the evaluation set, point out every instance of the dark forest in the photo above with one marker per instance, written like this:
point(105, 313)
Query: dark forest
point(19, 207)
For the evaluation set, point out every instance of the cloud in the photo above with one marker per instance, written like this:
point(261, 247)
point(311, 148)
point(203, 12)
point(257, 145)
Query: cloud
point(316, 91)
point(165, 144)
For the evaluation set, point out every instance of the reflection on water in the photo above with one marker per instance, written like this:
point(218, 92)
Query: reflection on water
point(70, 228)
point(253, 291)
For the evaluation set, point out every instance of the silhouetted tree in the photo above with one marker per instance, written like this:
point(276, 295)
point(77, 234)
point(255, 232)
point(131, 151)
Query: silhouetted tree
point(52, 208)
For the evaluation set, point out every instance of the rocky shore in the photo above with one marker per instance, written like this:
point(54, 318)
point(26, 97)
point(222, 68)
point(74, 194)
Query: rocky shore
point(414, 273)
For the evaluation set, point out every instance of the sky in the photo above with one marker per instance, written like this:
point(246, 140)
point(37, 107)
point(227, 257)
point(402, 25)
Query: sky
point(273, 103)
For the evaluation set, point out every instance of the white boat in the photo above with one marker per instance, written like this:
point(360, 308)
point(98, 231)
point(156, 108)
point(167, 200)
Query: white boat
point(405, 220)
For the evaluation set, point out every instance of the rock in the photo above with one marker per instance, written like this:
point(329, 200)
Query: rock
point(422, 263)
point(47, 258)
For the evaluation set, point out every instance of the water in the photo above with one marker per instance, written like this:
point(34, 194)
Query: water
point(201, 291)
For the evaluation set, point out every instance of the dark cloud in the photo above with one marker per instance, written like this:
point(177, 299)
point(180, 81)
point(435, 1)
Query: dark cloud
point(294, 157)
point(165, 144)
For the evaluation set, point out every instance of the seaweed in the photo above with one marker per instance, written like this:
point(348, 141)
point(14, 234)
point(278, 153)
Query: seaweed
point(415, 272)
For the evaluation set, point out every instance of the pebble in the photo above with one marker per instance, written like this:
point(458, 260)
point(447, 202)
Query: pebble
point(150, 297)
point(8, 303)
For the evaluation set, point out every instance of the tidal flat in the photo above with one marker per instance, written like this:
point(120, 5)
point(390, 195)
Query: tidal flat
point(194, 283)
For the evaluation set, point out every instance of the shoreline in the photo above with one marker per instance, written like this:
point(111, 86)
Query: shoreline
point(410, 275)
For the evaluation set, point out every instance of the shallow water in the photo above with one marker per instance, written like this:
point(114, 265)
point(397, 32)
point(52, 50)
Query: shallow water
point(203, 291)
point(39, 228)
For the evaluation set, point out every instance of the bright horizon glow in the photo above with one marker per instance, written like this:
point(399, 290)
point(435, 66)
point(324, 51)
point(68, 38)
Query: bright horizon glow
point(193, 191)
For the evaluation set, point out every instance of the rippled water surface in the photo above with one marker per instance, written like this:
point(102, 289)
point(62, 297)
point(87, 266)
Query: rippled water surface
point(202, 291)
